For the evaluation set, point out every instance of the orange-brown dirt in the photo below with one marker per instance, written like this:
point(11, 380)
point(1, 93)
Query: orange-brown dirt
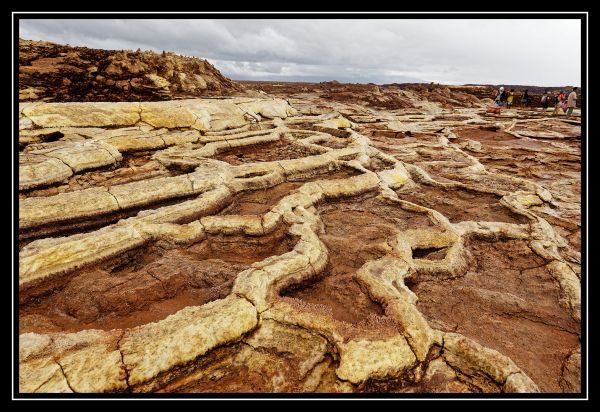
point(147, 285)
point(506, 301)
point(281, 150)
point(357, 230)
point(458, 205)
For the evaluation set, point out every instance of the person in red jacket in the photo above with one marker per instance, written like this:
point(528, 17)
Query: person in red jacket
point(559, 102)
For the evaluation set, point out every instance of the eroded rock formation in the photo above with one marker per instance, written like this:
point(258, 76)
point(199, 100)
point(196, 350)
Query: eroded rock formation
point(265, 245)
point(61, 73)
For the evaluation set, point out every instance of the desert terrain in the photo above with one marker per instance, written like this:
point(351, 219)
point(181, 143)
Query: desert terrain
point(180, 232)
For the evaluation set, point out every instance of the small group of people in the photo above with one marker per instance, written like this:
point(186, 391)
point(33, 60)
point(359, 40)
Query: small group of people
point(504, 98)
point(560, 100)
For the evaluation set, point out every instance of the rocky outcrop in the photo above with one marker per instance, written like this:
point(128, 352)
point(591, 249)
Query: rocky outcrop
point(61, 73)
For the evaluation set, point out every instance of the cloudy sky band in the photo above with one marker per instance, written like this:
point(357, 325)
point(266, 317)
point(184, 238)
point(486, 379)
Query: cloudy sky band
point(545, 52)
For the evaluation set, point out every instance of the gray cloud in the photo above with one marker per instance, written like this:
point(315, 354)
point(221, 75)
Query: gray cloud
point(533, 52)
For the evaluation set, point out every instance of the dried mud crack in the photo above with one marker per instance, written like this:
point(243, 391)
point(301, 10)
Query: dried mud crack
point(286, 245)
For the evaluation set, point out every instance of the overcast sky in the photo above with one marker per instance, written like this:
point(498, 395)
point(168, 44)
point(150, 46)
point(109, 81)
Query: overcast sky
point(528, 52)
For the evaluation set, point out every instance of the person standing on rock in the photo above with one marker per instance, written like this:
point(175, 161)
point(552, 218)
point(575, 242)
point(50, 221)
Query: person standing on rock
point(509, 99)
point(544, 100)
point(501, 97)
point(526, 99)
point(559, 102)
point(571, 102)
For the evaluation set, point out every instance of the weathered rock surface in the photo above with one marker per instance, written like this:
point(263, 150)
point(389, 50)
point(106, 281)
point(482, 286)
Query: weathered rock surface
point(63, 73)
point(266, 245)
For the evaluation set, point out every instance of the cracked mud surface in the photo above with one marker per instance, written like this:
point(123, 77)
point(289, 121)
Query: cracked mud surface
point(308, 244)
point(459, 205)
point(507, 301)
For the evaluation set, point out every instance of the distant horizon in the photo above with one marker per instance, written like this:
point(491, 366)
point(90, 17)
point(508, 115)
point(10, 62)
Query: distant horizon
point(385, 51)
point(417, 82)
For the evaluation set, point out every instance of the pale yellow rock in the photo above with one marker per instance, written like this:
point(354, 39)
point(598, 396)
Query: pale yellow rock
point(384, 280)
point(570, 286)
point(283, 265)
point(337, 123)
point(350, 187)
point(30, 93)
point(24, 123)
point(182, 337)
point(173, 233)
point(200, 82)
point(397, 126)
point(314, 250)
point(544, 194)
point(322, 324)
point(31, 344)
point(474, 146)
point(308, 347)
point(157, 80)
point(84, 114)
point(505, 230)
point(89, 359)
point(529, 200)
point(364, 359)
point(349, 153)
point(86, 155)
point(207, 203)
point(141, 130)
point(294, 167)
point(520, 383)
point(298, 199)
point(316, 376)
point(233, 224)
point(571, 376)
point(152, 190)
point(135, 142)
point(471, 358)
point(270, 221)
point(46, 257)
point(35, 211)
point(254, 285)
point(423, 238)
point(238, 133)
point(37, 171)
point(42, 375)
point(166, 114)
point(257, 182)
point(179, 138)
point(444, 378)
point(269, 108)
point(215, 115)
point(96, 368)
point(394, 178)
point(311, 189)
point(186, 158)
point(254, 140)
point(262, 281)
